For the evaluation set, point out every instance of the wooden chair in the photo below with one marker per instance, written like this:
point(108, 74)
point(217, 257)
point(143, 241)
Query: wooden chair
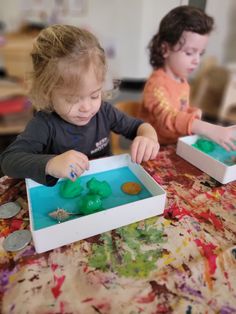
point(229, 100)
point(14, 115)
point(208, 87)
point(131, 108)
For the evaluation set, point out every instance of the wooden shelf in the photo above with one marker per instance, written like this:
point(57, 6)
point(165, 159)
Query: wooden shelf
point(16, 54)
point(11, 129)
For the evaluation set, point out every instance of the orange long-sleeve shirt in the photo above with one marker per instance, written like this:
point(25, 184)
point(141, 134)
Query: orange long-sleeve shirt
point(166, 106)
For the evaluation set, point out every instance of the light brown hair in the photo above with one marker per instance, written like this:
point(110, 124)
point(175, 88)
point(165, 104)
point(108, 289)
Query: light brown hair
point(61, 55)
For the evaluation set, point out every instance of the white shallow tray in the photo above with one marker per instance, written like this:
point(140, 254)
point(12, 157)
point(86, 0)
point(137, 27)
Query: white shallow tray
point(214, 168)
point(86, 226)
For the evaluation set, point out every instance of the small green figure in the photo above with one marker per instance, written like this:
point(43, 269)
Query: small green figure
point(70, 189)
point(90, 203)
point(102, 188)
point(204, 145)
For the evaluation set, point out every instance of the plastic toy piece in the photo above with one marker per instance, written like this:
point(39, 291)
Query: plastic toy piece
point(61, 215)
point(101, 188)
point(131, 188)
point(204, 145)
point(70, 189)
point(90, 203)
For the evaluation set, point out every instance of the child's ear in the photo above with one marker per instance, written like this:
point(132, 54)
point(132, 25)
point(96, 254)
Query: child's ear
point(165, 49)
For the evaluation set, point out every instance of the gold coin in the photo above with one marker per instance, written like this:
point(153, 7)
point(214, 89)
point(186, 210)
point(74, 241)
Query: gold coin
point(132, 188)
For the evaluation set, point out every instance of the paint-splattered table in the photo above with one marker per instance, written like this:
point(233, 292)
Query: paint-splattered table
point(181, 262)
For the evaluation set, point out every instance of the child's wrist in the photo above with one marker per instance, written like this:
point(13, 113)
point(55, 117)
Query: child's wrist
point(197, 126)
point(47, 168)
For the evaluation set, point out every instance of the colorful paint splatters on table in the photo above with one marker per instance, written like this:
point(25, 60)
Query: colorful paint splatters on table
point(181, 262)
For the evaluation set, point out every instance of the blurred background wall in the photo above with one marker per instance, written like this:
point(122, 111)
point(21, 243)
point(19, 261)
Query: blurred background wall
point(123, 26)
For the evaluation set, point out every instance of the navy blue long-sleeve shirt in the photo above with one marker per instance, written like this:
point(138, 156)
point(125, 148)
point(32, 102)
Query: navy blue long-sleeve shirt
point(47, 135)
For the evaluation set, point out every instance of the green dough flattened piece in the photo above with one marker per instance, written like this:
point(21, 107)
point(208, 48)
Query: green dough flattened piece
point(71, 189)
point(90, 203)
point(204, 145)
point(102, 188)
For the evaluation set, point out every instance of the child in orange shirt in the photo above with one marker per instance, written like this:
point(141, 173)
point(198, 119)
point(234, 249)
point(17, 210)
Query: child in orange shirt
point(175, 52)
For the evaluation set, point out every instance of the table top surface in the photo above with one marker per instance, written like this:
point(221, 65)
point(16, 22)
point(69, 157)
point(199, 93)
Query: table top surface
point(183, 261)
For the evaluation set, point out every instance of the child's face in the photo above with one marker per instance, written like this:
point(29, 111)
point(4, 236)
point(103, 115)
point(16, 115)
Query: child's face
point(79, 108)
point(182, 59)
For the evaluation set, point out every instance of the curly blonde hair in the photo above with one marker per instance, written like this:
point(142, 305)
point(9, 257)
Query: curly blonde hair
point(61, 55)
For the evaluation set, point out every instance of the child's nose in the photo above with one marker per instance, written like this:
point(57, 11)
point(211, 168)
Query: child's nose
point(85, 105)
point(196, 60)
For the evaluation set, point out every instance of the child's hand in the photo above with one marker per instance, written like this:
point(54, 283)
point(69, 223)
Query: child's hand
point(224, 136)
point(143, 149)
point(69, 165)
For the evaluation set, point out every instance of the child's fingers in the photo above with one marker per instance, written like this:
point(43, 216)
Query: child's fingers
point(155, 152)
point(143, 151)
point(134, 150)
point(75, 171)
point(77, 167)
point(82, 160)
point(147, 153)
point(224, 145)
point(231, 144)
point(137, 152)
point(72, 172)
point(82, 164)
point(151, 151)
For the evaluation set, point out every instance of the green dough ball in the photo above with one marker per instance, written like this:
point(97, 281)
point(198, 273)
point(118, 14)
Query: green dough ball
point(70, 189)
point(90, 203)
point(204, 145)
point(102, 188)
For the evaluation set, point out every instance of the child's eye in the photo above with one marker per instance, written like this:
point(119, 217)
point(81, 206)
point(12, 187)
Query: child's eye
point(95, 96)
point(72, 100)
point(188, 53)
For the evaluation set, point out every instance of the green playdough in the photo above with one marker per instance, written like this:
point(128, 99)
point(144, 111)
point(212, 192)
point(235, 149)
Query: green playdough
point(101, 188)
point(90, 203)
point(70, 189)
point(204, 145)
